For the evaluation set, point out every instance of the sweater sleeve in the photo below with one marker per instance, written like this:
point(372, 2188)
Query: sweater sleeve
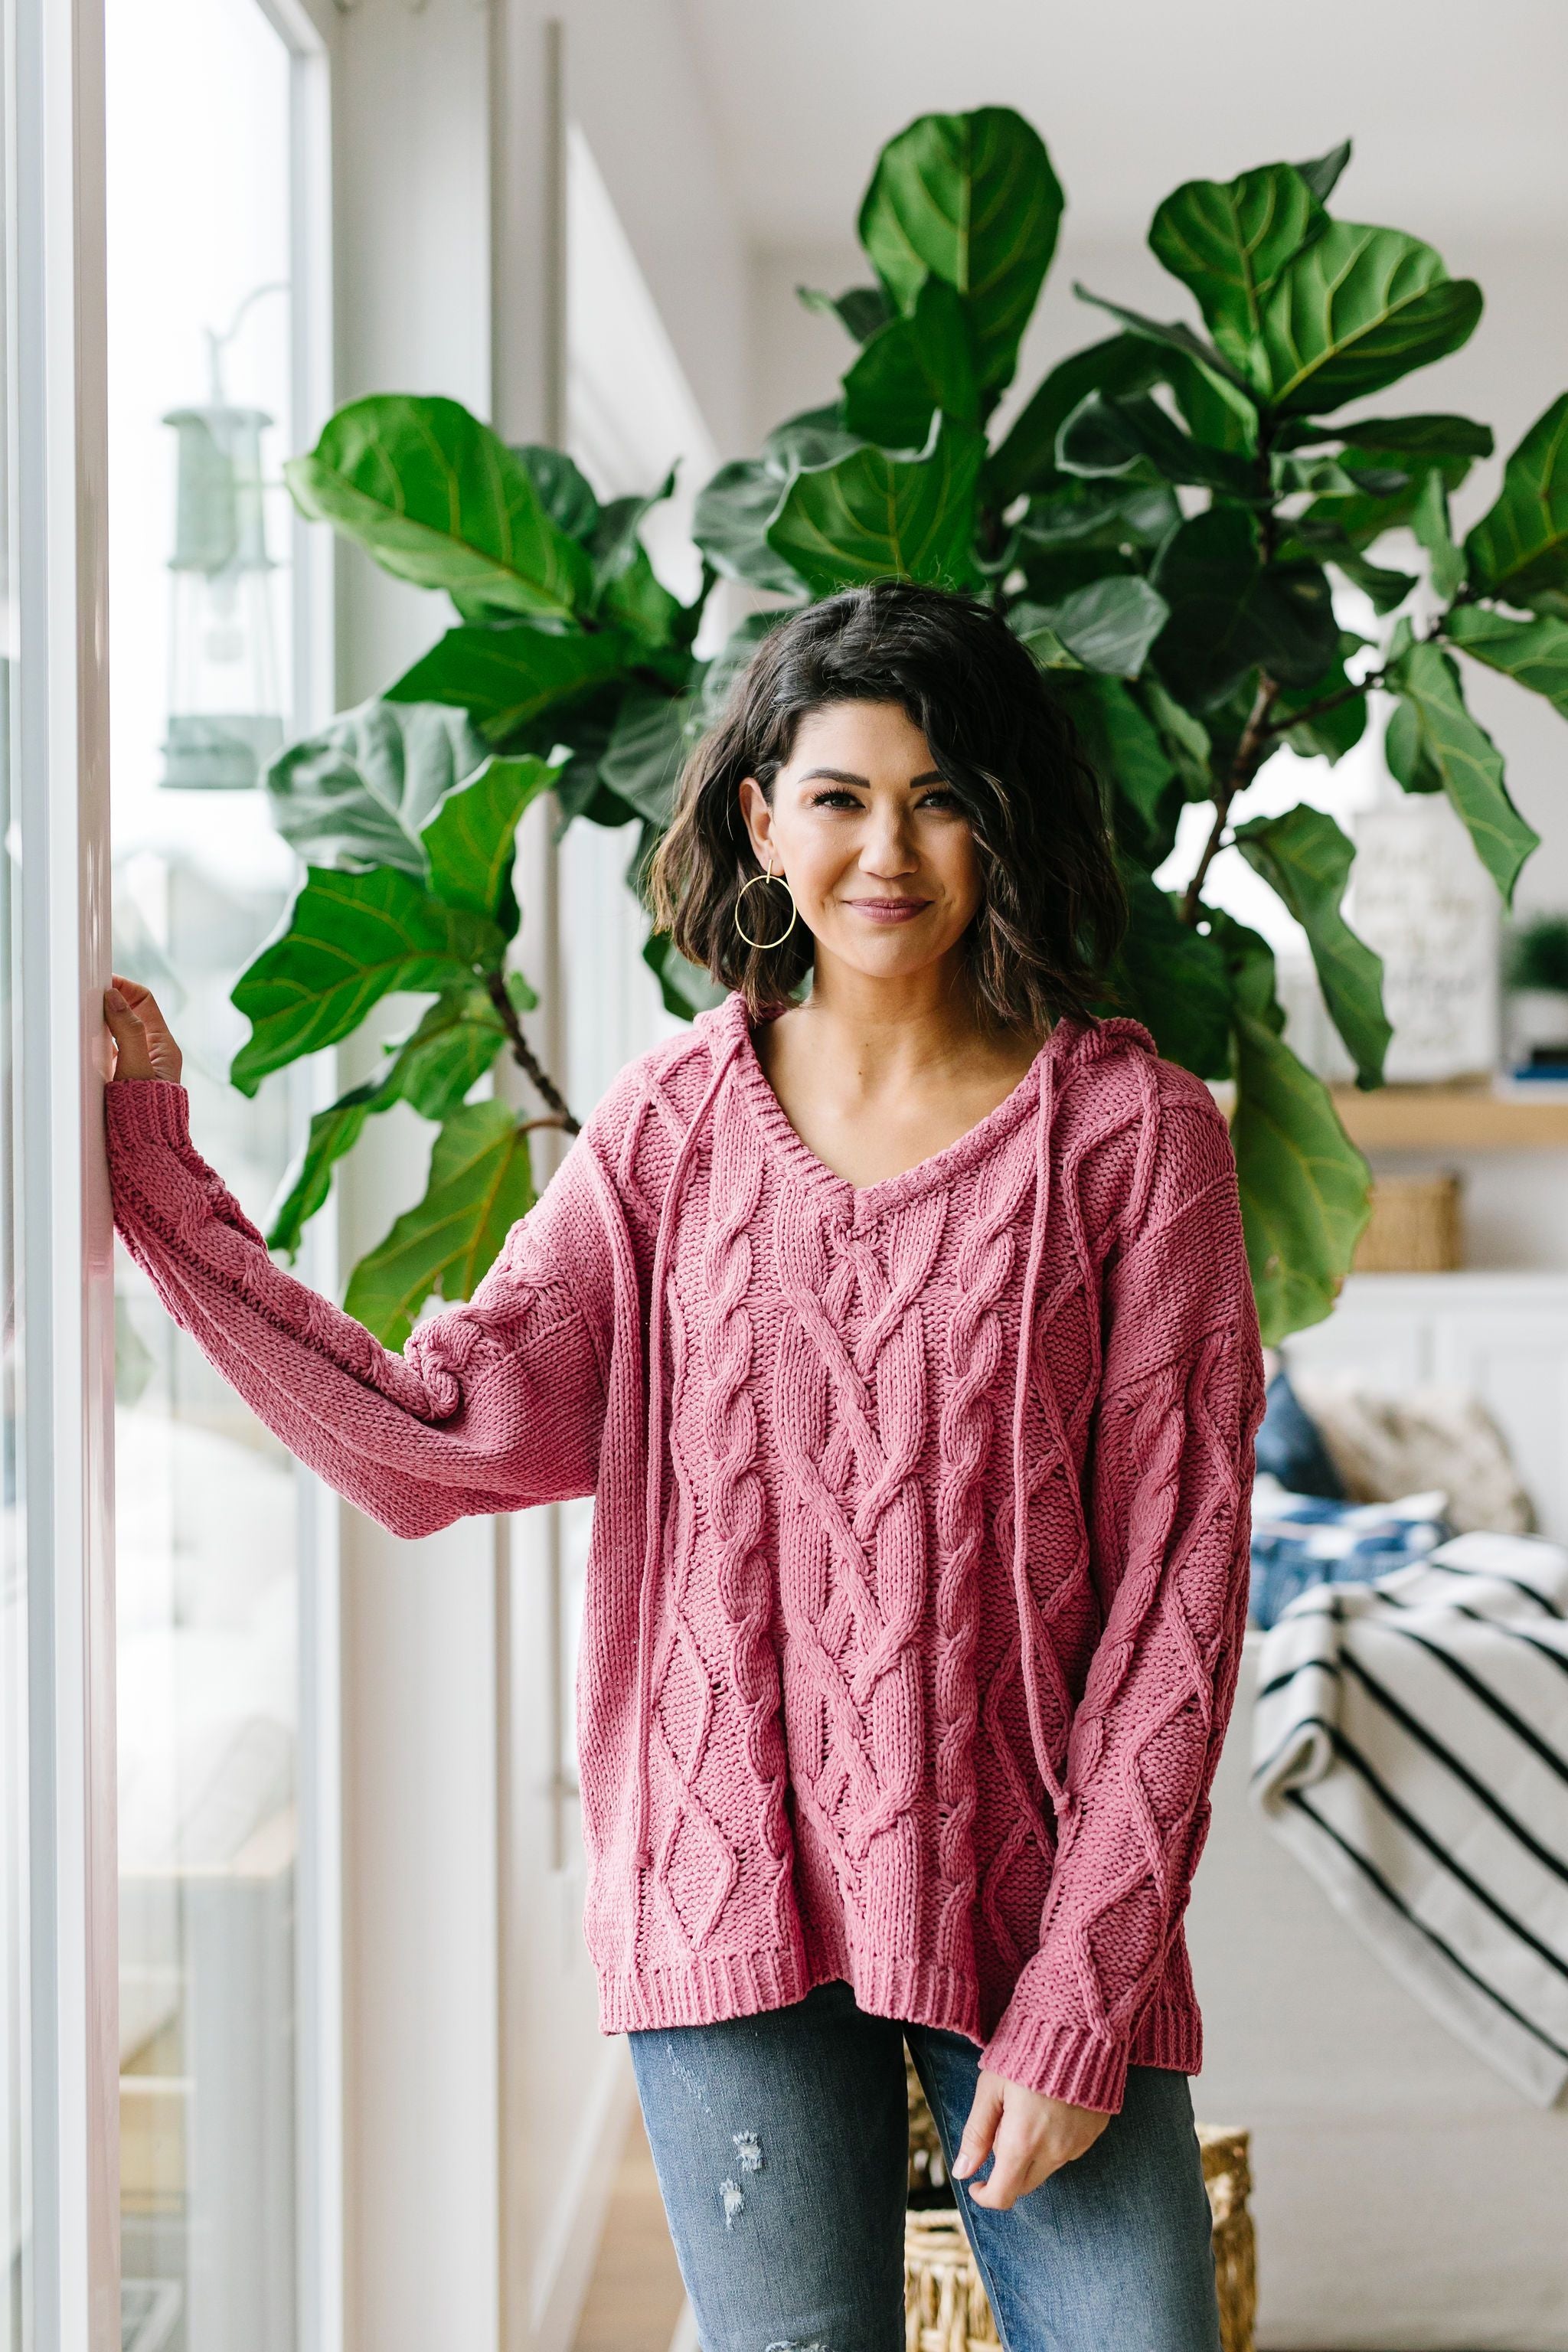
point(496, 1404)
point(1166, 1503)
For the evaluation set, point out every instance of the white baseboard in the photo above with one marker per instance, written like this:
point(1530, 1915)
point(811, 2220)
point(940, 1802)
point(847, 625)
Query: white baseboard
point(566, 2259)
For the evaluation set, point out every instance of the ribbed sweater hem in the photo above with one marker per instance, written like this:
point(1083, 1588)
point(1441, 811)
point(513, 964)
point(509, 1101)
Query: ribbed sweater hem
point(1070, 2061)
point(1064, 2061)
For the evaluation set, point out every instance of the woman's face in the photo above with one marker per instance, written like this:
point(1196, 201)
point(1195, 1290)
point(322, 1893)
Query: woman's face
point(872, 841)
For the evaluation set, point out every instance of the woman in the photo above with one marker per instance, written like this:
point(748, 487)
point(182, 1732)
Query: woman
point(904, 1337)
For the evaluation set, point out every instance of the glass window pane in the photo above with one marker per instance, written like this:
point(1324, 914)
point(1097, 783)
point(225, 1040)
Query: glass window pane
point(207, 1503)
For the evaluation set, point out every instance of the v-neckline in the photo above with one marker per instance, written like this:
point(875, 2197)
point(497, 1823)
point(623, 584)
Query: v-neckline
point(863, 1205)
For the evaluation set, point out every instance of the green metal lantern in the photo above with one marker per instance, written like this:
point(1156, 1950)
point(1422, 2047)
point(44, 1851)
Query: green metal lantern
point(225, 703)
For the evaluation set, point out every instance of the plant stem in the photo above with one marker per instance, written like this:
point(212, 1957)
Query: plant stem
point(523, 1055)
point(1249, 754)
point(1318, 710)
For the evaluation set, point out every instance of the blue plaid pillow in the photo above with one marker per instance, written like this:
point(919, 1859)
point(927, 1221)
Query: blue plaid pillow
point(1301, 1540)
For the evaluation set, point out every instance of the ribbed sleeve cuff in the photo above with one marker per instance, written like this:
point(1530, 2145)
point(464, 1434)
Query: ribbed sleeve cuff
point(148, 1110)
point(1059, 2062)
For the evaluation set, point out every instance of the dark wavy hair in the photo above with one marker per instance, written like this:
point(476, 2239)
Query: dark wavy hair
point(1053, 910)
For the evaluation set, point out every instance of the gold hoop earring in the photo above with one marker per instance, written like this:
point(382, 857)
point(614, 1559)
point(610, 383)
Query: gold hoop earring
point(794, 910)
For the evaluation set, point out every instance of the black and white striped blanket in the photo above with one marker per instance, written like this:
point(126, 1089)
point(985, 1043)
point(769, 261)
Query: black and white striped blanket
point(1410, 1746)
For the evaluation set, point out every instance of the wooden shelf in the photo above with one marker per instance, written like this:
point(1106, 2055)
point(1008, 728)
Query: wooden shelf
point(1452, 1118)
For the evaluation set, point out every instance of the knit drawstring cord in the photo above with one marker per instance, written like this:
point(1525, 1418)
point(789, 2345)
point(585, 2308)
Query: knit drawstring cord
point(1020, 1397)
point(642, 1852)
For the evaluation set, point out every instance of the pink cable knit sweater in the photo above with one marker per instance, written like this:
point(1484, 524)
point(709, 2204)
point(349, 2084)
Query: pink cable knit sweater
point(919, 1568)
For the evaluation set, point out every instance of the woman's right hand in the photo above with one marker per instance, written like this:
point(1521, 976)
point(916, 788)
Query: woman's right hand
point(143, 1047)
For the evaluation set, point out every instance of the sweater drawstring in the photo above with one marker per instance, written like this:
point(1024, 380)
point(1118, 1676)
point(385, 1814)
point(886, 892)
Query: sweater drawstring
point(653, 1529)
point(1020, 1399)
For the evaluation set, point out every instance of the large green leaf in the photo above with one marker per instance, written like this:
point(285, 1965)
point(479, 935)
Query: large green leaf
point(481, 1184)
point(614, 535)
point(1100, 510)
point(451, 1045)
point(635, 599)
point(729, 524)
point(912, 367)
point(1214, 408)
point(1111, 624)
point(1395, 437)
point(1169, 334)
point(1327, 543)
point(859, 309)
point(1229, 612)
point(1305, 1189)
point(1534, 653)
point(1331, 733)
point(686, 988)
point(1321, 174)
point(1185, 739)
point(971, 199)
point(1409, 761)
point(357, 792)
point(1359, 309)
point(652, 735)
point(433, 1067)
point(436, 499)
point(346, 941)
point(1110, 436)
point(1230, 241)
point(814, 436)
point(1435, 530)
point(1518, 550)
point(470, 842)
point(1305, 857)
point(872, 517)
point(1173, 979)
point(1464, 755)
point(1126, 750)
point(506, 674)
point(1027, 459)
point(564, 492)
point(333, 1132)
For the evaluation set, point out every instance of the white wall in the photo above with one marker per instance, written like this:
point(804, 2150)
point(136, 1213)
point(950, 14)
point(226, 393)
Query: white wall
point(444, 211)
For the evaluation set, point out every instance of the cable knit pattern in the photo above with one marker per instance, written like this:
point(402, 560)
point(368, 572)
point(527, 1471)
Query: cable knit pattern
point(916, 1593)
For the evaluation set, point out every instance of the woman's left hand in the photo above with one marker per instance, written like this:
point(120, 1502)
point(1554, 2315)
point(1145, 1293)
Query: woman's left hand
point(1031, 2137)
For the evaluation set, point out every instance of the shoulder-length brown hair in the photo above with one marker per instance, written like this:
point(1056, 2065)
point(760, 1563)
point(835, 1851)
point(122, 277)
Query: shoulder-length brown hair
point(1053, 909)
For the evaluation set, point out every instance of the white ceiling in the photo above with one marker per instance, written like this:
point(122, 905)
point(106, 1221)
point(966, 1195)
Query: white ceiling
point(1459, 107)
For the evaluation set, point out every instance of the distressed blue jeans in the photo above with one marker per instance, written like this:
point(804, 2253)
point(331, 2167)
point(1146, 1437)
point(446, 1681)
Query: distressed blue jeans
point(781, 2148)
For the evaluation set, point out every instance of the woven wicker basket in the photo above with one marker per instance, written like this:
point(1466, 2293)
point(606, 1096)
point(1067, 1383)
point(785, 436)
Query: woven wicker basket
point(945, 2308)
point(1416, 1226)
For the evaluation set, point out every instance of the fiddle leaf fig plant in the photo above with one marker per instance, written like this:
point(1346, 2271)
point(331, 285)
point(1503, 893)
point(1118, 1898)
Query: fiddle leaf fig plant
point(1163, 520)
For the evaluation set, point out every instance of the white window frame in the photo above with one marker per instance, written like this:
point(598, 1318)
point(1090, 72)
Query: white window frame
point(66, 1268)
point(56, 277)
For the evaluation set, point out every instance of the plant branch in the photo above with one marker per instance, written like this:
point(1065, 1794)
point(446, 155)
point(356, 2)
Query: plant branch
point(523, 1055)
point(1249, 754)
point(1312, 710)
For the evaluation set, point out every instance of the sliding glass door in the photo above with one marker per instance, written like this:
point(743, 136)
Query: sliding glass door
point(219, 1575)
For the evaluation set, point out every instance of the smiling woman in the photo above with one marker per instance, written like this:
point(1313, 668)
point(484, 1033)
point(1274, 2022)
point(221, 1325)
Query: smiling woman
point(905, 1341)
point(966, 715)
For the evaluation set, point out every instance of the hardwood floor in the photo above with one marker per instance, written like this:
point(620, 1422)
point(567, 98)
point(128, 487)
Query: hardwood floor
point(636, 2295)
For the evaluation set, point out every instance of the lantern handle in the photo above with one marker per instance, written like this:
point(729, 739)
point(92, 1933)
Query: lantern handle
point(217, 344)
